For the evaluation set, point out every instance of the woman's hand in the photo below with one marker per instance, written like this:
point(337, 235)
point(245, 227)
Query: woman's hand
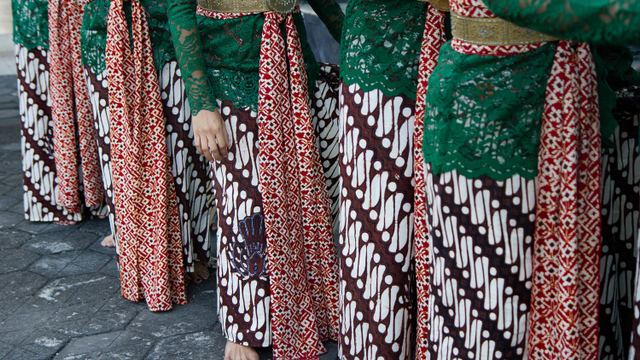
point(209, 135)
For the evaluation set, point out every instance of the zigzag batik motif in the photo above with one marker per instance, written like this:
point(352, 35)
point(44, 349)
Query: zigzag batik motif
point(71, 109)
point(433, 38)
point(566, 262)
point(149, 241)
point(297, 213)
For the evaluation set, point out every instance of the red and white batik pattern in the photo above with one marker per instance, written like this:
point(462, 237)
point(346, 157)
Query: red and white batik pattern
point(566, 257)
point(71, 111)
point(432, 40)
point(243, 285)
point(38, 162)
point(481, 236)
point(297, 217)
point(191, 175)
point(620, 215)
point(144, 196)
point(376, 224)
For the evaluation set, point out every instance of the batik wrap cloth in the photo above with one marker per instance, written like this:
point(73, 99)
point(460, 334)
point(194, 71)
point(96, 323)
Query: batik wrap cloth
point(149, 244)
point(70, 103)
point(303, 269)
point(563, 322)
point(432, 40)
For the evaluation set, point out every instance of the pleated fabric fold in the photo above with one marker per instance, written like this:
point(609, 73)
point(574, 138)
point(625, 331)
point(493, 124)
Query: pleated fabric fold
point(149, 244)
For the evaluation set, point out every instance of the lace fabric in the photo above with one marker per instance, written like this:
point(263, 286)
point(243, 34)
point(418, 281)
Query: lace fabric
point(220, 58)
point(380, 47)
point(484, 112)
point(94, 32)
point(598, 22)
point(30, 23)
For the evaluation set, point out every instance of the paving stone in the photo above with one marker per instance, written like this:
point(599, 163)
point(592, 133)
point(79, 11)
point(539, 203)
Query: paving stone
point(12, 239)
point(4, 350)
point(16, 259)
point(199, 345)
point(80, 289)
point(18, 208)
point(9, 113)
point(19, 284)
point(51, 244)
point(22, 354)
point(129, 345)
point(88, 319)
point(96, 226)
point(88, 262)
point(13, 191)
point(6, 202)
point(44, 343)
point(97, 246)
point(48, 228)
point(111, 268)
point(10, 306)
point(182, 319)
point(25, 321)
point(9, 220)
point(47, 266)
point(76, 348)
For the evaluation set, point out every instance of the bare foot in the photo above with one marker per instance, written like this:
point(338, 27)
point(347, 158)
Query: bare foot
point(201, 272)
point(65, 222)
point(108, 242)
point(235, 351)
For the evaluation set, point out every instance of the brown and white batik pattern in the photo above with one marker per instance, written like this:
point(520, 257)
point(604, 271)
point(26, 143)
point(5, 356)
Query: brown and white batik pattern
point(191, 174)
point(376, 224)
point(481, 236)
point(98, 96)
point(191, 171)
point(325, 115)
point(243, 285)
point(38, 162)
point(620, 197)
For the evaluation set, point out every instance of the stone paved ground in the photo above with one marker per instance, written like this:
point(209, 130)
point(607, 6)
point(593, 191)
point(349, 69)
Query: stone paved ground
point(59, 289)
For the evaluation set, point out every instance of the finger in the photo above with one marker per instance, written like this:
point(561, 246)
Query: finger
point(202, 148)
point(213, 149)
point(223, 145)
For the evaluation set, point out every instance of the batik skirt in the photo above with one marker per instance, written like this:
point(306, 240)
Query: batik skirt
point(243, 280)
point(619, 304)
point(376, 224)
point(190, 170)
point(38, 162)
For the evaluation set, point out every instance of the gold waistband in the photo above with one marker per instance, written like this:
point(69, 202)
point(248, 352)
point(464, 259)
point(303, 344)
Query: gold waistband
point(493, 31)
point(248, 6)
point(442, 5)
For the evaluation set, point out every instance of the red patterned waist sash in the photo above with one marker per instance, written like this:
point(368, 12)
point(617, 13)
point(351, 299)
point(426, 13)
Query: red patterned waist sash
point(566, 257)
point(301, 252)
point(149, 241)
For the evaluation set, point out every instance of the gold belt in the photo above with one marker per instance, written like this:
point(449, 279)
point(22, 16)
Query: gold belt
point(493, 31)
point(249, 6)
point(442, 5)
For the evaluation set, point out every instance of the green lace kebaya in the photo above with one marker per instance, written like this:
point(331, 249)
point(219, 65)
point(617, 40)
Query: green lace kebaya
point(30, 23)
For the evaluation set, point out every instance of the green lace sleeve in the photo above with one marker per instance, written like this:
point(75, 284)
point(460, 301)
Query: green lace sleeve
point(30, 23)
point(330, 12)
point(184, 31)
point(600, 22)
